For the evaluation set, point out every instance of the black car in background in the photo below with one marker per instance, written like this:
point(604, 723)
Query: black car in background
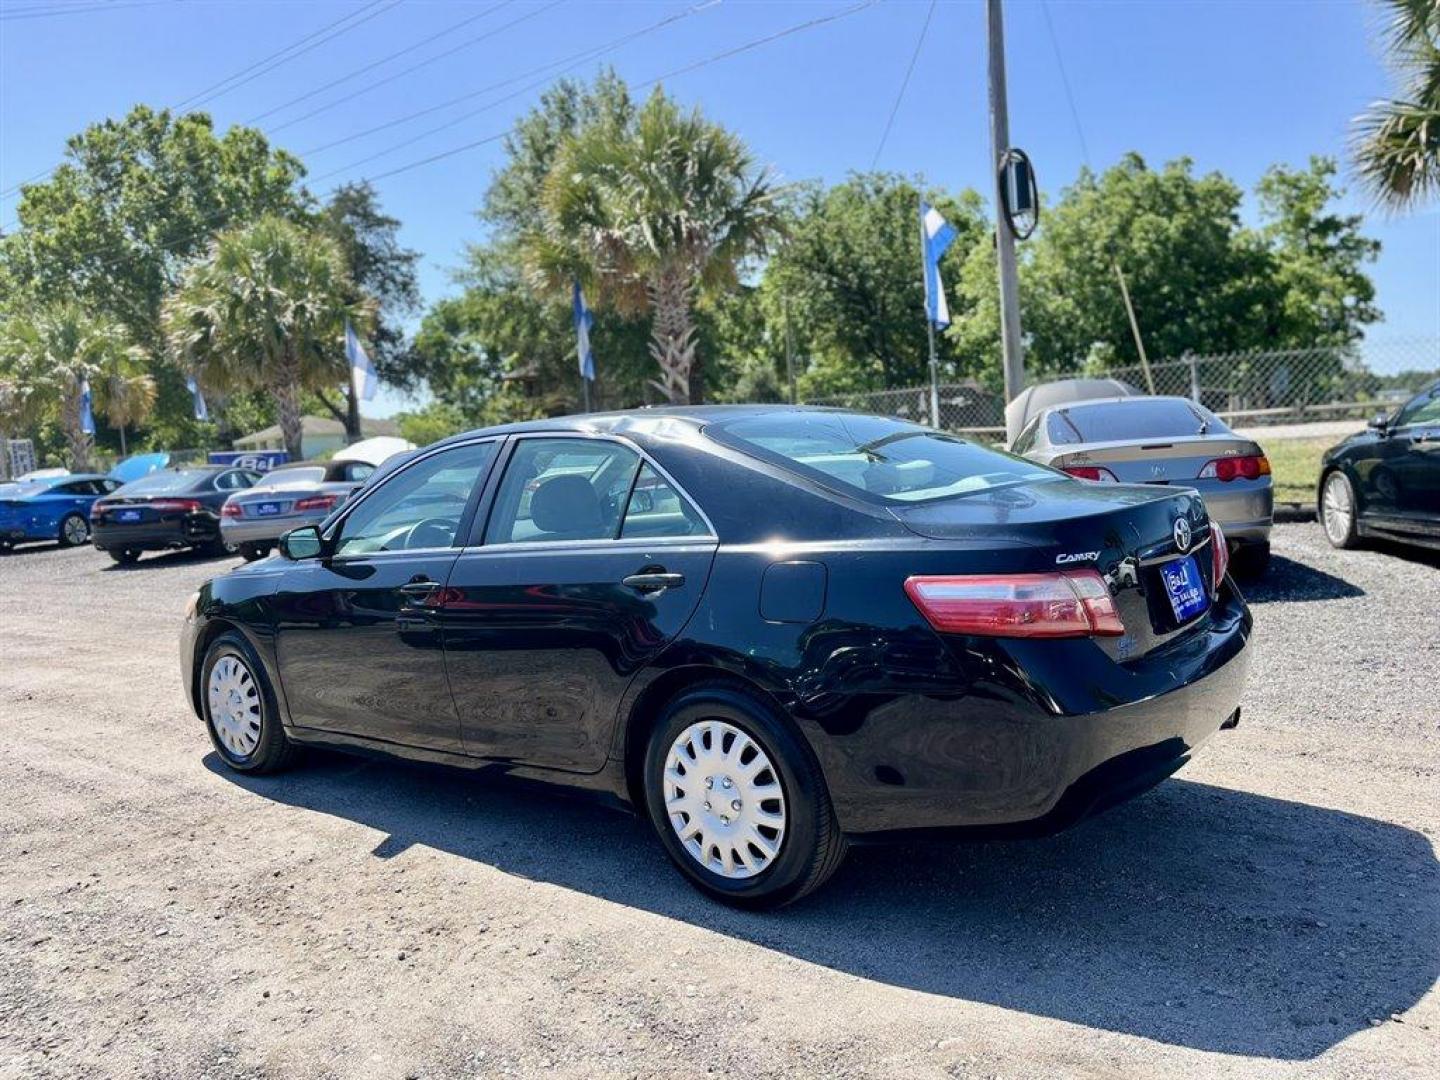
point(1385, 481)
point(771, 630)
point(176, 508)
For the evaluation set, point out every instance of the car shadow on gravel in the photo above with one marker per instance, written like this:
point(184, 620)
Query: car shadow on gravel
point(1292, 582)
point(177, 557)
point(1198, 916)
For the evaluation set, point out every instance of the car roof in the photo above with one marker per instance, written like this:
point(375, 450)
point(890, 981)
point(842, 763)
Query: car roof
point(648, 420)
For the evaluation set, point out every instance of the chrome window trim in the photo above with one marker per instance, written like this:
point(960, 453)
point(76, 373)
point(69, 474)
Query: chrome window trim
point(601, 436)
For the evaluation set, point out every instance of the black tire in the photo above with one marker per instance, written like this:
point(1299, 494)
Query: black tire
point(273, 751)
point(1250, 560)
point(67, 530)
point(1341, 534)
point(254, 552)
point(220, 549)
point(811, 846)
point(6, 546)
point(125, 556)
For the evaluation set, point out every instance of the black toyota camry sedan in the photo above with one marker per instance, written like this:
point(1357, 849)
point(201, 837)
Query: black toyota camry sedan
point(772, 631)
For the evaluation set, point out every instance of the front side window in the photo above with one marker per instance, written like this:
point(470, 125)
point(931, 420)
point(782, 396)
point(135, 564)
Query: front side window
point(875, 456)
point(1424, 409)
point(420, 507)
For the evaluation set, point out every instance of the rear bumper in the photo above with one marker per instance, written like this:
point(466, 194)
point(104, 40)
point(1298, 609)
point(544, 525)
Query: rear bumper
point(1245, 510)
point(989, 763)
point(192, 530)
point(265, 530)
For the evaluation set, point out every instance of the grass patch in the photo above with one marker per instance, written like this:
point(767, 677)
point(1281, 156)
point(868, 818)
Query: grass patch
point(1295, 466)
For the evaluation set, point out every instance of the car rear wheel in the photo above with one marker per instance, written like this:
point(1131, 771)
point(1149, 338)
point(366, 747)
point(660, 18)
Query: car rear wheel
point(1338, 510)
point(239, 709)
point(74, 530)
point(254, 552)
point(738, 799)
point(125, 556)
point(220, 548)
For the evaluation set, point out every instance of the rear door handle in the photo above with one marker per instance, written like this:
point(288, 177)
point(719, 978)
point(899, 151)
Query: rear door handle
point(653, 581)
point(422, 587)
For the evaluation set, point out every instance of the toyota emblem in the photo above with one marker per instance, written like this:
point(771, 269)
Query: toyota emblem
point(1182, 534)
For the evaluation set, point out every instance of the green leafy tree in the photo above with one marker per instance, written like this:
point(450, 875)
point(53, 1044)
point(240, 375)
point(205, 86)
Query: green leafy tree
point(134, 202)
point(647, 213)
point(383, 271)
point(1396, 143)
point(50, 353)
point(848, 280)
point(266, 311)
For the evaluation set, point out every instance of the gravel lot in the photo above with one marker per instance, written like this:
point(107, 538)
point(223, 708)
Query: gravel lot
point(1273, 911)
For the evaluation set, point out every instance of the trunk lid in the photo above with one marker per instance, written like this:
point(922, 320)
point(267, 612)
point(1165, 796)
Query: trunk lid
point(1127, 532)
point(1171, 460)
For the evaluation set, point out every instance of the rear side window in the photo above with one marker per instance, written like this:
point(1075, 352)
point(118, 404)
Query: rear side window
point(875, 456)
point(1137, 418)
point(656, 509)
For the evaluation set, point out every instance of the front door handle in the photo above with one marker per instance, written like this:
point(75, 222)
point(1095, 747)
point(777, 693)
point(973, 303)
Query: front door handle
point(419, 586)
point(653, 581)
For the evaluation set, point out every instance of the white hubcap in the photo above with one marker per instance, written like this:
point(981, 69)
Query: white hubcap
point(724, 800)
point(1337, 507)
point(234, 706)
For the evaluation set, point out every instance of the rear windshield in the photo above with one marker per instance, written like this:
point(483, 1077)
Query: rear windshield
point(1133, 418)
point(160, 483)
point(874, 456)
point(308, 474)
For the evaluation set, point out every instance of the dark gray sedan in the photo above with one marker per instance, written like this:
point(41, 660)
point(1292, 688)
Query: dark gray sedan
point(300, 494)
point(1163, 440)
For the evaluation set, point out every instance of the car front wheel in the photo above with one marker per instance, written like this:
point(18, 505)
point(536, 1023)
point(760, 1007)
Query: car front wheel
point(239, 708)
point(74, 530)
point(1338, 511)
point(738, 799)
point(125, 556)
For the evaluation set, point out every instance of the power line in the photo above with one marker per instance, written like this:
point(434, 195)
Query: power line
point(1065, 81)
point(416, 67)
point(582, 56)
point(694, 66)
point(229, 78)
point(14, 15)
point(904, 84)
point(371, 66)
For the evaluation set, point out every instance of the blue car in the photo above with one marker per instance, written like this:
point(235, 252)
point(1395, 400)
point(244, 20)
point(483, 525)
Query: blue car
point(54, 508)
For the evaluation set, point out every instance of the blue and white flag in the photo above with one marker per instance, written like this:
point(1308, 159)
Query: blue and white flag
point(197, 398)
point(936, 234)
point(584, 319)
point(87, 414)
point(362, 372)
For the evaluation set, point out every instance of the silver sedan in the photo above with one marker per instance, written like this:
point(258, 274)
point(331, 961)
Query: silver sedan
point(292, 495)
point(1163, 440)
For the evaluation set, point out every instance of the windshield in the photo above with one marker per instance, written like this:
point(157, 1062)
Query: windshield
point(161, 483)
point(1133, 418)
point(875, 456)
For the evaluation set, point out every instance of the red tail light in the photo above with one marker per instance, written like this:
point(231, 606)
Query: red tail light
point(1220, 554)
point(170, 506)
point(1249, 467)
point(230, 510)
point(1091, 472)
point(1060, 605)
point(317, 502)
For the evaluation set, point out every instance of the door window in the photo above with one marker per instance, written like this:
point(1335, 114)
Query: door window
point(1421, 410)
point(419, 507)
point(563, 489)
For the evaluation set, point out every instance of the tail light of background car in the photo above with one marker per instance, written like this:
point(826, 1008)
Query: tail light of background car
point(230, 510)
point(1248, 467)
point(1060, 605)
point(1219, 554)
point(1091, 472)
point(317, 502)
point(172, 506)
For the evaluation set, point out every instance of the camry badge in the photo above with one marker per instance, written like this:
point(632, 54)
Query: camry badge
point(1077, 556)
point(1182, 534)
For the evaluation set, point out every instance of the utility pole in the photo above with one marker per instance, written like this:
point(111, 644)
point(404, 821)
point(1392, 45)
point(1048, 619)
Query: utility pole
point(789, 350)
point(1011, 347)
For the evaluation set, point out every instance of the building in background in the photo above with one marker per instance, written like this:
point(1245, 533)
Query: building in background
point(320, 436)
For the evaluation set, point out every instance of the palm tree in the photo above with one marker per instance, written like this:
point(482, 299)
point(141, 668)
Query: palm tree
point(265, 311)
point(53, 352)
point(645, 213)
point(1397, 142)
point(129, 400)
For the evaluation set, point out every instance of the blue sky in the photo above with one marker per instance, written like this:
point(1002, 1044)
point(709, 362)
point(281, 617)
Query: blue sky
point(1234, 85)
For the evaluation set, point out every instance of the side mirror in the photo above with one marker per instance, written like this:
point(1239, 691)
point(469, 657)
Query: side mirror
point(1379, 422)
point(302, 543)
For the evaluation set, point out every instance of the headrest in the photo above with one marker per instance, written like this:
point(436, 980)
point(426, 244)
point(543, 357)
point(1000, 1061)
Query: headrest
point(566, 504)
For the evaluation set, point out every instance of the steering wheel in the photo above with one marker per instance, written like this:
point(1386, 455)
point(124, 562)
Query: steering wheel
point(430, 532)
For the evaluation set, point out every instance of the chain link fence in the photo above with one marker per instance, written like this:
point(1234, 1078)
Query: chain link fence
point(1248, 389)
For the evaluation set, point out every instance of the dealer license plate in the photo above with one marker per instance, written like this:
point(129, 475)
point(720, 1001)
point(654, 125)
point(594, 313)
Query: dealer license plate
point(1185, 588)
point(267, 509)
point(127, 515)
